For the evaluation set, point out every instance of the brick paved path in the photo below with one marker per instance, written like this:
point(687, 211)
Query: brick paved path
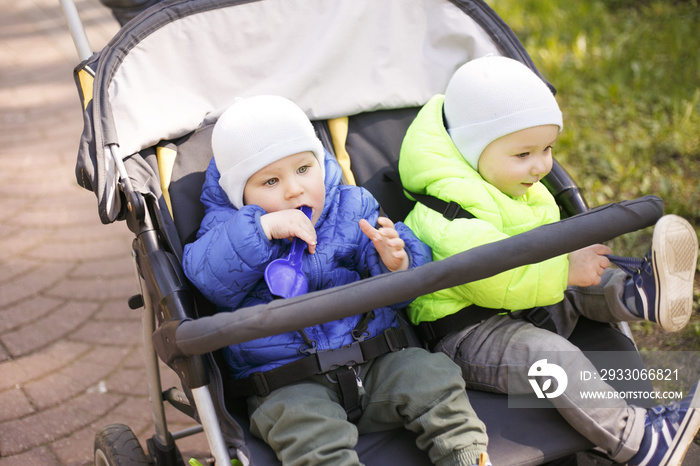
point(70, 348)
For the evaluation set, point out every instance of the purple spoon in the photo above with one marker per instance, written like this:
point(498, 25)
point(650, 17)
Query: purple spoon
point(284, 277)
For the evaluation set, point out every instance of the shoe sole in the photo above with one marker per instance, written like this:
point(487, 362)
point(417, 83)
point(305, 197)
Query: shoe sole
point(685, 434)
point(674, 256)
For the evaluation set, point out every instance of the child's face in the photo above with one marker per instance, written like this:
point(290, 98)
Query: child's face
point(288, 183)
point(514, 162)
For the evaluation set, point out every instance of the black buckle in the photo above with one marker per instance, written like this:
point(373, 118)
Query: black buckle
point(260, 384)
point(539, 316)
point(350, 355)
point(451, 210)
point(393, 339)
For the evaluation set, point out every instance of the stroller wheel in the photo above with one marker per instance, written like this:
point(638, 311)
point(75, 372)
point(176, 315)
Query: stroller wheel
point(116, 445)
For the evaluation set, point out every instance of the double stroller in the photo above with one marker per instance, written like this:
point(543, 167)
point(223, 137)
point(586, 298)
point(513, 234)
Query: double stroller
point(360, 69)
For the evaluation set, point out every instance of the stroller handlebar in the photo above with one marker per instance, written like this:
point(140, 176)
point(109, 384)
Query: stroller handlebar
point(206, 334)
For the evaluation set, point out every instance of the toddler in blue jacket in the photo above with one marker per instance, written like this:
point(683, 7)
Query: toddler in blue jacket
point(267, 164)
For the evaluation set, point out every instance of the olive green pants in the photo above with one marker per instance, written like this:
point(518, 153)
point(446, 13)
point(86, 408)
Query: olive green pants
point(305, 422)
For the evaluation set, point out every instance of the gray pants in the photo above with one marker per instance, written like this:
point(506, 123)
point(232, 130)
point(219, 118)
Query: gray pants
point(304, 423)
point(486, 351)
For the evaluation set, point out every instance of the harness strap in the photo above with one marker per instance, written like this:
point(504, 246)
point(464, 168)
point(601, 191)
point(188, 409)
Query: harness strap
point(320, 362)
point(537, 316)
point(432, 332)
point(349, 393)
point(450, 210)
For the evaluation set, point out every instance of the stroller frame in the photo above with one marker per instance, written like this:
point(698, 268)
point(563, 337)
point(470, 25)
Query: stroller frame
point(165, 280)
point(175, 327)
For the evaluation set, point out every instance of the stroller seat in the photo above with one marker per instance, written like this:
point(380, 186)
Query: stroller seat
point(371, 142)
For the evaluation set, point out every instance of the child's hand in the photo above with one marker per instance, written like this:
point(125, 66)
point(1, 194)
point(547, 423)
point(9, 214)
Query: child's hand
point(388, 243)
point(587, 265)
point(287, 224)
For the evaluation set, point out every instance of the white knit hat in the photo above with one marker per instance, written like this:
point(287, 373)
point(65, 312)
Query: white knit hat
point(490, 97)
point(255, 132)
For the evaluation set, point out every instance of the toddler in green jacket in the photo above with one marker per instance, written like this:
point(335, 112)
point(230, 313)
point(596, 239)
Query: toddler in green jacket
point(486, 145)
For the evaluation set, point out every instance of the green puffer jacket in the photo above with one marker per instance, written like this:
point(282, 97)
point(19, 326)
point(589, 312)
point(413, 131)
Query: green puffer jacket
point(430, 163)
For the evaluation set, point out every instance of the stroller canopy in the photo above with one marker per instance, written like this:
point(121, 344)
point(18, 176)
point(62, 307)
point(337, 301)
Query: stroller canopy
point(166, 75)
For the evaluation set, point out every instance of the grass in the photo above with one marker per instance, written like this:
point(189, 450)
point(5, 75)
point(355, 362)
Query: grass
point(627, 74)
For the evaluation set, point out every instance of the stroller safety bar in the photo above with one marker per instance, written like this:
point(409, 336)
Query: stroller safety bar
point(180, 339)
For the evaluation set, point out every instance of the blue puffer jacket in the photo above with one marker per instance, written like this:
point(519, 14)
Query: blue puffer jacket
point(228, 259)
